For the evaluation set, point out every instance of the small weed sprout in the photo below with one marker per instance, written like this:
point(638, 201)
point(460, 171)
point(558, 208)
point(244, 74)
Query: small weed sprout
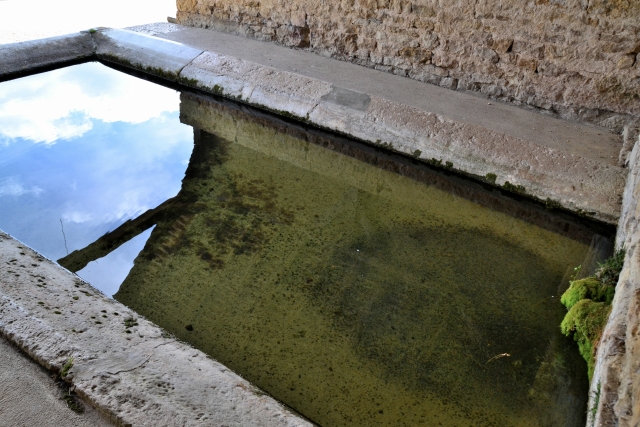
point(608, 271)
point(576, 272)
point(67, 367)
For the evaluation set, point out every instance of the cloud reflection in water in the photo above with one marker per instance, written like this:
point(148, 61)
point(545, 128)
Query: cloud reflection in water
point(92, 147)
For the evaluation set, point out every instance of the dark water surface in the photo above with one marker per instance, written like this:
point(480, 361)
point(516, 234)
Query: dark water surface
point(359, 288)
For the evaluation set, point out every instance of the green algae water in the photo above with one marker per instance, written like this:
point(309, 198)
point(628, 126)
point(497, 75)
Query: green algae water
point(358, 287)
point(357, 295)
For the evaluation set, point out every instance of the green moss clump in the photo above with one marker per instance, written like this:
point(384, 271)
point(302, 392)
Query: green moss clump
point(514, 188)
point(589, 304)
point(552, 204)
point(589, 288)
point(585, 321)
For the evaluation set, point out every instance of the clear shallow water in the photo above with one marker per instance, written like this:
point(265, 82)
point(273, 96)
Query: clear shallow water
point(347, 283)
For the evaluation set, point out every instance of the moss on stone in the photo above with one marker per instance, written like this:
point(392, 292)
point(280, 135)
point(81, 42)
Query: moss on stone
point(589, 288)
point(589, 303)
point(188, 81)
point(585, 321)
point(514, 188)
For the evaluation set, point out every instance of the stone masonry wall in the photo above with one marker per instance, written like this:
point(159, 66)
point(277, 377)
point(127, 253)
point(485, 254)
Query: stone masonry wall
point(578, 59)
point(615, 387)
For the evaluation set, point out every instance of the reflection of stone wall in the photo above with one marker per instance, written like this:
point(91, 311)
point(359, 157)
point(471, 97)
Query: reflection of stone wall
point(575, 57)
point(331, 156)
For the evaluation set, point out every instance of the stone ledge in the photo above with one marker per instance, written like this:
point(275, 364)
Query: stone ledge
point(580, 178)
point(145, 53)
point(578, 181)
point(32, 56)
point(142, 378)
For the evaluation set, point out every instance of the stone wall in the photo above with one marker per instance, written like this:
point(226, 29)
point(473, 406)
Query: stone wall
point(615, 387)
point(574, 58)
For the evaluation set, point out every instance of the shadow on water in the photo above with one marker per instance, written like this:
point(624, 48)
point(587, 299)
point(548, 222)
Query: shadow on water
point(440, 316)
point(352, 287)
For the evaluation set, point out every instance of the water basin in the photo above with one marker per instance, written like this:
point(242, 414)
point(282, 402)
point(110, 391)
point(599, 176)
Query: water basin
point(356, 286)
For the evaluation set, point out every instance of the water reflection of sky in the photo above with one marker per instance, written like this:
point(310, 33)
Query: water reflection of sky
point(89, 147)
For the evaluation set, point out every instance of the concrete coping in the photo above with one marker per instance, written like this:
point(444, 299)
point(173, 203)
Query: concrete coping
point(582, 177)
point(128, 368)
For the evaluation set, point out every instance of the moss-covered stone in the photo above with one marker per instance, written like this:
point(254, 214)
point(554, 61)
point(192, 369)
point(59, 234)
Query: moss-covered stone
point(589, 304)
point(586, 320)
point(589, 288)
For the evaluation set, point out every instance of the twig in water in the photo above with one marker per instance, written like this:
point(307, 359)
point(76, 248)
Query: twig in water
point(498, 356)
point(64, 237)
point(545, 299)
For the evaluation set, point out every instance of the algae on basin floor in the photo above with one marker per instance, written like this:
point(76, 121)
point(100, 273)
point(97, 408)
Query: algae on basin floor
point(355, 295)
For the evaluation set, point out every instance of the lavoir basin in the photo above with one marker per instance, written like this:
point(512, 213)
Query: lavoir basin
point(356, 286)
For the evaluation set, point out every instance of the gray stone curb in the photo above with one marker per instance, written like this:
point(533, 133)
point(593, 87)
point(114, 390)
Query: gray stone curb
point(143, 52)
point(143, 377)
point(17, 58)
point(583, 185)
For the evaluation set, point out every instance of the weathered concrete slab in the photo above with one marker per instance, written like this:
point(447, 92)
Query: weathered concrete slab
point(18, 58)
point(563, 163)
point(132, 370)
point(258, 85)
point(30, 397)
point(577, 183)
point(569, 137)
point(162, 58)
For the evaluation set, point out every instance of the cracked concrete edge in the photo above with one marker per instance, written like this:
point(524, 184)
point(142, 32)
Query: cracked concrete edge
point(575, 183)
point(142, 377)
